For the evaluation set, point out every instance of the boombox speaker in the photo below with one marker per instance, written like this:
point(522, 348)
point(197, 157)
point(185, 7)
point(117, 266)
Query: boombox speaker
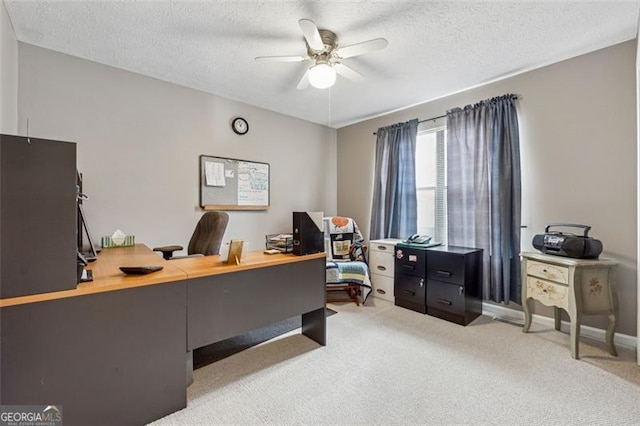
point(566, 244)
point(308, 233)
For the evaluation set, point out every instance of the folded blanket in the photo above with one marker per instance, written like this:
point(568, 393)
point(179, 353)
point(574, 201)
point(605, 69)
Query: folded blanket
point(350, 272)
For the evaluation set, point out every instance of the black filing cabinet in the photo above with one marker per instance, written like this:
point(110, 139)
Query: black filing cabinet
point(454, 283)
point(410, 277)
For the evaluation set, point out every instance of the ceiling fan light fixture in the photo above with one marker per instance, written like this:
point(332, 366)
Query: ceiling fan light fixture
point(326, 57)
point(322, 76)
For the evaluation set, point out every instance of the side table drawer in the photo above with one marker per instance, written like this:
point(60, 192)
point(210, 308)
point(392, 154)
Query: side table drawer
point(547, 271)
point(548, 293)
point(383, 247)
point(409, 261)
point(410, 288)
point(447, 267)
point(446, 297)
point(381, 263)
point(382, 287)
point(409, 292)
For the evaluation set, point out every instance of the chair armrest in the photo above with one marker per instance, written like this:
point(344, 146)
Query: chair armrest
point(358, 252)
point(187, 256)
point(167, 251)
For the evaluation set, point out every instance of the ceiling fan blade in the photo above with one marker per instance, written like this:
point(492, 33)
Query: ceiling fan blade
point(304, 81)
point(360, 48)
point(311, 34)
point(348, 73)
point(282, 58)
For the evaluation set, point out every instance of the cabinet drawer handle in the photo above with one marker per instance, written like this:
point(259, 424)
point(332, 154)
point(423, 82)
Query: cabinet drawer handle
point(444, 302)
point(405, 266)
point(381, 268)
point(379, 290)
point(382, 247)
point(412, 293)
point(444, 273)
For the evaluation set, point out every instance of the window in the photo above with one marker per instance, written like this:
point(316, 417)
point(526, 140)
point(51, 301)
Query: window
point(431, 172)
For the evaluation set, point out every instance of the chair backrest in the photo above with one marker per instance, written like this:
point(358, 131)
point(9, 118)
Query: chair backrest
point(344, 239)
point(207, 236)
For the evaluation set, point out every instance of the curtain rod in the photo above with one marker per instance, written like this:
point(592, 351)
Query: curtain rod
point(517, 96)
point(426, 119)
point(432, 118)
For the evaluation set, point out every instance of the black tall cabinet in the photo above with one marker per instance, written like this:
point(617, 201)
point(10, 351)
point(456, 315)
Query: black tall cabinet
point(37, 216)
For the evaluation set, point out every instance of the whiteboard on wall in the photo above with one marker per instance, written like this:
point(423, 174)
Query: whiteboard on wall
point(232, 184)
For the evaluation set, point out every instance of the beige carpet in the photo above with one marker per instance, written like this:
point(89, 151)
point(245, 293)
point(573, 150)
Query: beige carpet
point(388, 365)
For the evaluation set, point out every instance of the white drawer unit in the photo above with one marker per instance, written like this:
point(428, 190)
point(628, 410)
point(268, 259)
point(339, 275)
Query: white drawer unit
point(381, 265)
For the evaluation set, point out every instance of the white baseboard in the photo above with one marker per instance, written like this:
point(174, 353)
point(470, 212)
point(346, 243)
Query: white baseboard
point(513, 315)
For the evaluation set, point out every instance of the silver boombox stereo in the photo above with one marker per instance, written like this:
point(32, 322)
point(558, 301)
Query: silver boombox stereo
point(566, 244)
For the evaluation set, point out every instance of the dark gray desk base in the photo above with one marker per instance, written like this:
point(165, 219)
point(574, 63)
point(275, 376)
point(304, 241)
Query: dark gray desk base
point(227, 305)
point(119, 357)
point(107, 358)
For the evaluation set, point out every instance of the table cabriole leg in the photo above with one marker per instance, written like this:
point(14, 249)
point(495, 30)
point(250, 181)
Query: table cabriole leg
point(611, 330)
point(526, 301)
point(557, 316)
point(527, 304)
point(574, 328)
point(613, 315)
point(575, 311)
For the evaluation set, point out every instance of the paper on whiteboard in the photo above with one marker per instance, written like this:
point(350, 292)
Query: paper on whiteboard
point(253, 184)
point(214, 174)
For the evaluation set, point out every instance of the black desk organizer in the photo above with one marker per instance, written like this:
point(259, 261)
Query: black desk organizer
point(443, 281)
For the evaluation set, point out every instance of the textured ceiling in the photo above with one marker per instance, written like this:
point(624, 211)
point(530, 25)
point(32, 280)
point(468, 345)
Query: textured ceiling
point(435, 48)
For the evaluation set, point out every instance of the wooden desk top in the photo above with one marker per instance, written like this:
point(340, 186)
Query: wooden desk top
point(204, 266)
point(107, 273)
point(108, 277)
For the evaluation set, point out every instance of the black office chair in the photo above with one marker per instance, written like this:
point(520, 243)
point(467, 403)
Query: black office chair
point(206, 238)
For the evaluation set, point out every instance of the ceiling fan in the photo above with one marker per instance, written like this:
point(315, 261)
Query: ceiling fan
point(326, 56)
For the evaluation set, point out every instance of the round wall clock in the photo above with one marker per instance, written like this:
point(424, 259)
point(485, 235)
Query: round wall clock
point(240, 125)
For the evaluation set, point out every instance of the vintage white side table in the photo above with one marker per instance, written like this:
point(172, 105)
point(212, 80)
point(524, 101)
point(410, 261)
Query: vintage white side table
point(579, 286)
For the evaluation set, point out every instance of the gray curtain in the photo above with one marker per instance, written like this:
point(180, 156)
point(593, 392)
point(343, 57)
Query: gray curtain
point(394, 211)
point(483, 190)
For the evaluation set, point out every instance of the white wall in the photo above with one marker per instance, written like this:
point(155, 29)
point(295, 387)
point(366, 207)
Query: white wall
point(578, 150)
point(8, 75)
point(139, 140)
